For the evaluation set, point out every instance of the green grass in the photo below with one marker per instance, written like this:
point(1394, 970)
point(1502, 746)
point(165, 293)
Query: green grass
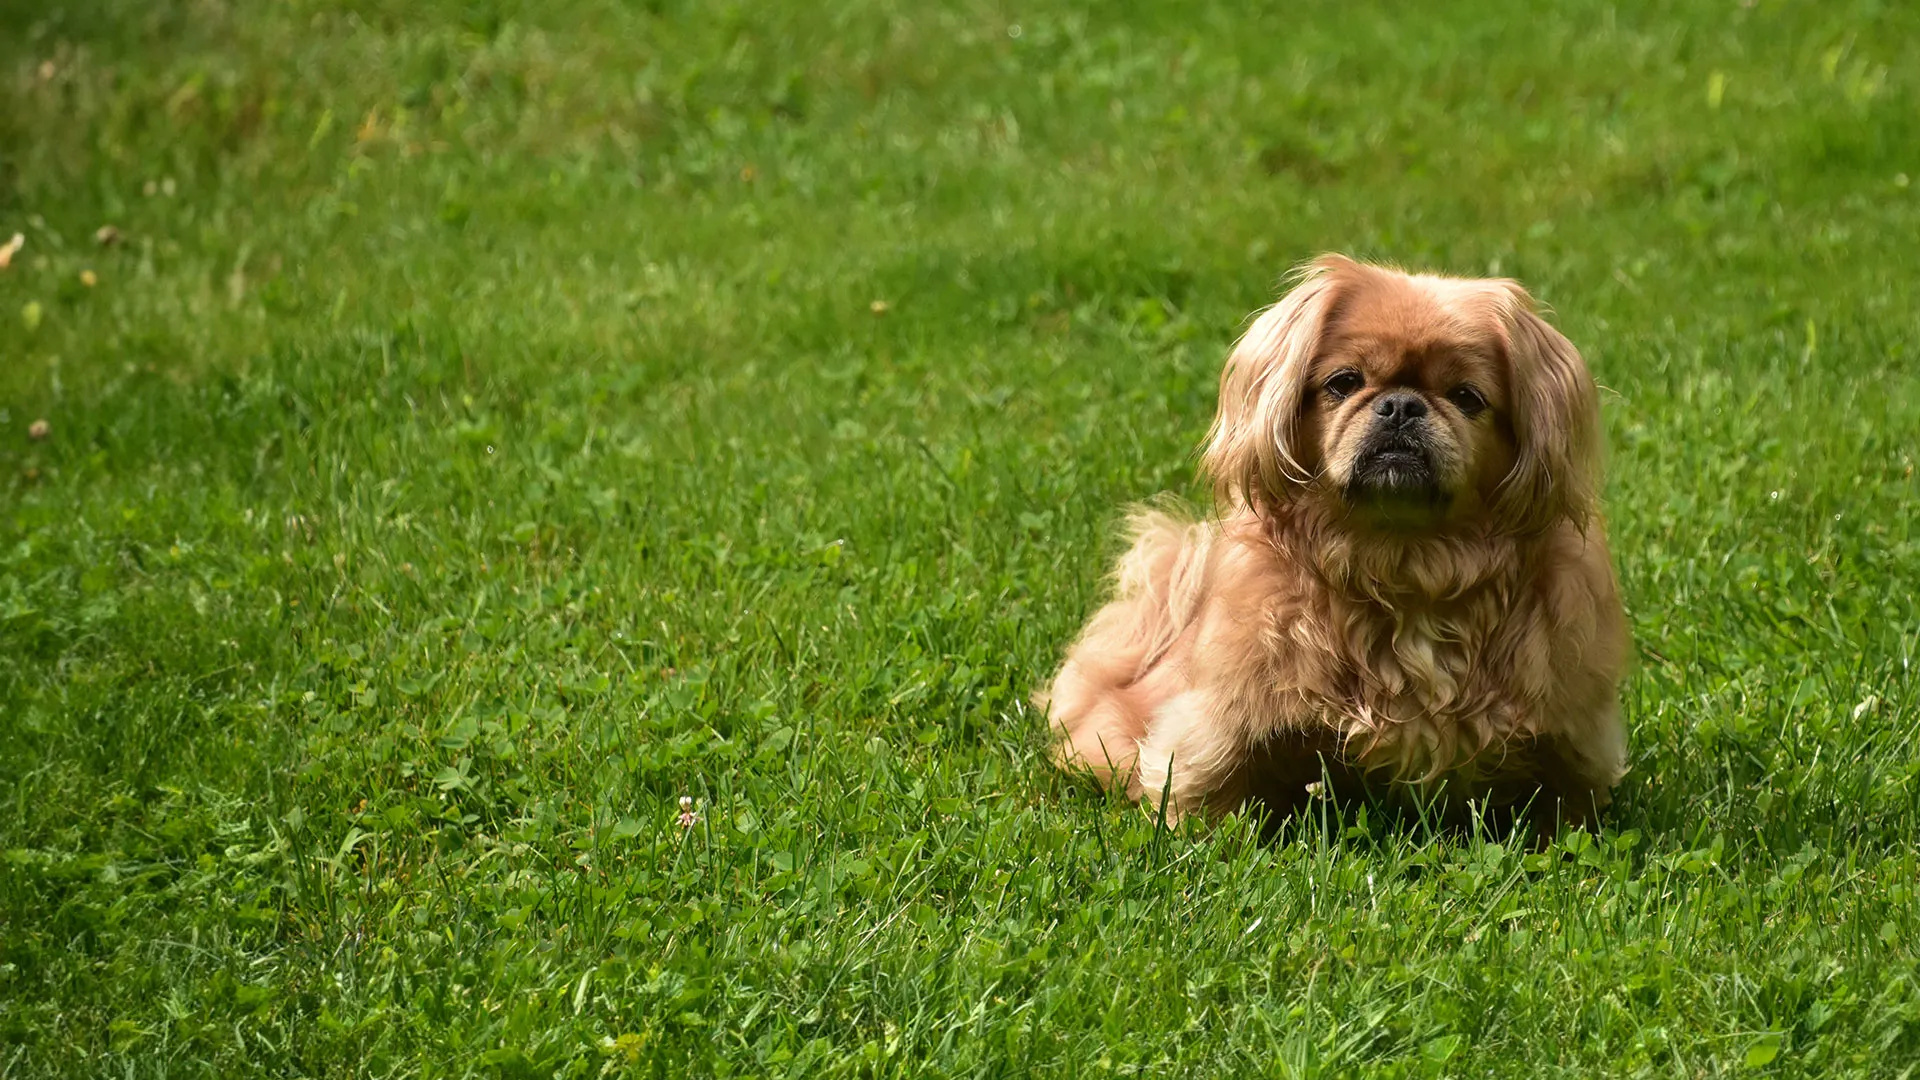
point(488, 432)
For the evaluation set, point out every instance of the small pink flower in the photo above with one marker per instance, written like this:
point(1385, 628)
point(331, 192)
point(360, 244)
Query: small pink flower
point(688, 816)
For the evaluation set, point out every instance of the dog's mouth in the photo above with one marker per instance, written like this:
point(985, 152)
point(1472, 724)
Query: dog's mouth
point(1396, 469)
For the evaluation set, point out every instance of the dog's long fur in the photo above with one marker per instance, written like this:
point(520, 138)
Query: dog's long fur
point(1466, 639)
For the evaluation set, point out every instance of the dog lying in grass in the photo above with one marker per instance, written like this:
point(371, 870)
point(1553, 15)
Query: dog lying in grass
point(1405, 586)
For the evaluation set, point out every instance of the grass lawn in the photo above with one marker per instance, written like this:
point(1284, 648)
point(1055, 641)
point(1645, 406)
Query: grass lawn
point(498, 421)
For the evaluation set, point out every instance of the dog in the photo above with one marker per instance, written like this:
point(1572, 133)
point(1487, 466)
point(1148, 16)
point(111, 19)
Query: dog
point(1404, 588)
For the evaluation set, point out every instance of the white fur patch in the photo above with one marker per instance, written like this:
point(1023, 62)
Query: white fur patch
point(1169, 734)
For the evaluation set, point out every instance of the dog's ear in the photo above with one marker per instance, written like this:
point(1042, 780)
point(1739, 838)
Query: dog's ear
point(1253, 454)
point(1556, 425)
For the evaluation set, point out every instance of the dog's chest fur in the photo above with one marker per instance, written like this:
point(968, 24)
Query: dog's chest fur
point(1423, 691)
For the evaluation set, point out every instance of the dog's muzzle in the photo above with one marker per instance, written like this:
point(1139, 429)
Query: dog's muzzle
point(1396, 458)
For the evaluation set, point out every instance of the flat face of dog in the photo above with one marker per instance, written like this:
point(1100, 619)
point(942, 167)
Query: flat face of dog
point(1406, 406)
point(1407, 403)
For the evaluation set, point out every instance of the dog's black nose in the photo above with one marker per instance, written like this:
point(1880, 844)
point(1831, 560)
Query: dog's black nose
point(1400, 406)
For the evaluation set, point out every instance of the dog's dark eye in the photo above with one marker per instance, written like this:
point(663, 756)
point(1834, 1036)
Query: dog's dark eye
point(1342, 384)
point(1467, 399)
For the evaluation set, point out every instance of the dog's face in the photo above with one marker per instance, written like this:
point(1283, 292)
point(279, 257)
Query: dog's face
point(1406, 408)
point(1407, 403)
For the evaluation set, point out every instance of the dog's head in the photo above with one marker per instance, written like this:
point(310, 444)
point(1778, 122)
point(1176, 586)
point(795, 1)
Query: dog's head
point(1407, 403)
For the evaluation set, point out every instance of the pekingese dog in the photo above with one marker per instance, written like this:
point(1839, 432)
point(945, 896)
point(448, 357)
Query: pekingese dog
point(1405, 586)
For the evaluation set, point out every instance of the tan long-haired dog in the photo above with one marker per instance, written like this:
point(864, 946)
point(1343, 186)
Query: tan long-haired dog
point(1405, 585)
